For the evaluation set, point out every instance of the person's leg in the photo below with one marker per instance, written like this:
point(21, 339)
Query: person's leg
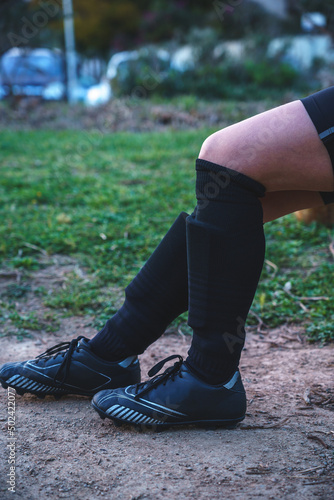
point(277, 151)
point(155, 297)
point(280, 151)
point(226, 248)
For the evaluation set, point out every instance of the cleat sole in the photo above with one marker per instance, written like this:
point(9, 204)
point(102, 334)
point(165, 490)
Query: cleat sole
point(208, 425)
point(41, 395)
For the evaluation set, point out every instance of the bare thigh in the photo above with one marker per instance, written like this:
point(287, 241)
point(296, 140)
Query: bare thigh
point(279, 148)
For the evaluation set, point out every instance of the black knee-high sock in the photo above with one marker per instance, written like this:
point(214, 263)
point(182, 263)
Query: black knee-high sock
point(155, 297)
point(226, 246)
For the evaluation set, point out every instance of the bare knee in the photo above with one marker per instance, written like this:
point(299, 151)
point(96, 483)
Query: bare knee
point(213, 148)
point(224, 148)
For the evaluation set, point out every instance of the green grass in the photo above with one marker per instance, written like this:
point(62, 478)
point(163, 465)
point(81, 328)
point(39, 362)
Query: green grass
point(107, 200)
point(304, 272)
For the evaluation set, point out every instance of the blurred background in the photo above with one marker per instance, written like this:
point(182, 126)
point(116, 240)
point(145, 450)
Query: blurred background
point(94, 52)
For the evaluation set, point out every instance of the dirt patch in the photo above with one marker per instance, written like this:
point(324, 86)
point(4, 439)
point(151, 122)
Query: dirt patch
point(22, 292)
point(132, 115)
point(282, 450)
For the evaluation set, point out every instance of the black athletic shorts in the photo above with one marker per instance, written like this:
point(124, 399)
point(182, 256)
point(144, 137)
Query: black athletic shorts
point(320, 107)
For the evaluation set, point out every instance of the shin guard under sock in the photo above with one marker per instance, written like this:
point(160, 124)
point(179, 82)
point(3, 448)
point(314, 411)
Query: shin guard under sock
point(154, 298)
point(226, 246)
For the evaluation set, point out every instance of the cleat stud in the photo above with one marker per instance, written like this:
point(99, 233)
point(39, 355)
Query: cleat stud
point(4, 385)
point(117, 423)
point(20, 392)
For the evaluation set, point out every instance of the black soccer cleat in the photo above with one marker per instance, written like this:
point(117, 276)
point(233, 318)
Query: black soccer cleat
point(176, 397)
point(69, 368)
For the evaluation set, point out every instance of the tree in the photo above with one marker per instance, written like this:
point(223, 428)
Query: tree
point(103, 23)
point(11, 24)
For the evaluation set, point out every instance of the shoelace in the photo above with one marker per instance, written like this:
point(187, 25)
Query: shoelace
point(64, 349)
point(170, 373)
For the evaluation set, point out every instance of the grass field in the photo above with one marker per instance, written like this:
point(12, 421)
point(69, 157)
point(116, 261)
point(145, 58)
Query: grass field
point(107, 200)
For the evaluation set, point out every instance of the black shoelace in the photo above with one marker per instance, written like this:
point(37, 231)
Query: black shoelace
point(168, 374)
point(64, 349)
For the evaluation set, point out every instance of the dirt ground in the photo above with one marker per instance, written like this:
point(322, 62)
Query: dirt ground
point(125, 115)
point(282, 450)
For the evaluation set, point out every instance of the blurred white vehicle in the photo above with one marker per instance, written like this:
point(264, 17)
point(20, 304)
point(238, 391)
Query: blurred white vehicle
point(42, 73)
point(33, 72)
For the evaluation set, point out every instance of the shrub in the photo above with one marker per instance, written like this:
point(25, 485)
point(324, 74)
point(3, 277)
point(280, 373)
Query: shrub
point(271, 73)
point(231, 80)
